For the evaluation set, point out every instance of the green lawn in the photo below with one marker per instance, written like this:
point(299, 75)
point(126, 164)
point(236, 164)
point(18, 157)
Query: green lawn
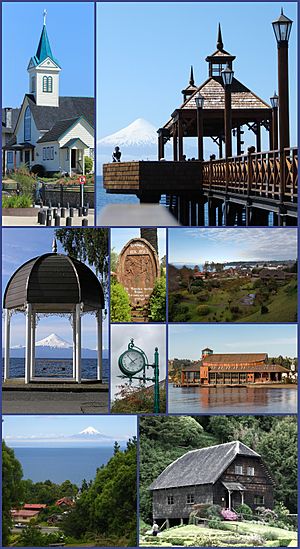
point(242, 534)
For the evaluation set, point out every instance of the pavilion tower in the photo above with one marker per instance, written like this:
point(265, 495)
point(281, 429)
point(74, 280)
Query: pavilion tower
point(44, 72)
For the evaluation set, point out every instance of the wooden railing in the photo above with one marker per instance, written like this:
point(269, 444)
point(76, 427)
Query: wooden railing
point(270, 175)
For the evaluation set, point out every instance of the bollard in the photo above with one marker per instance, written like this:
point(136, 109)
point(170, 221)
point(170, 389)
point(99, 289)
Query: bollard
point(63, 212)
point(39, 216)
point(69, 222)
point(57, 221)
point(43, 218)
point(49, 221)
point(54, 212)
point(85, 222)
point(71, 212)
point(84, 210)
point(80, 211)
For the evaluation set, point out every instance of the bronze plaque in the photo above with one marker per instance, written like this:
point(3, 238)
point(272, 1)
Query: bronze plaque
point(137, 270)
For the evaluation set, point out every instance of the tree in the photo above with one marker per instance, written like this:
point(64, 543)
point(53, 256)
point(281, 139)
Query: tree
point(11, 489)
point(90, 245)
point(117, 447)
point(120, 309)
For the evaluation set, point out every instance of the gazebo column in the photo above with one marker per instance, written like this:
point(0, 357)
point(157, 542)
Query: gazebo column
point(175, 145)
point(99, 345)
point(220, 145)
point(180, 140)
point(78, 342)
point(258, 137)
point(74, 347)
point(7, 343)
point(28, 343)
point(32, 345)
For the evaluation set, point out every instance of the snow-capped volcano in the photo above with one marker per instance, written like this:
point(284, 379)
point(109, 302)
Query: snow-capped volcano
point(138, 133)
point(53, 340)
point(91, 431)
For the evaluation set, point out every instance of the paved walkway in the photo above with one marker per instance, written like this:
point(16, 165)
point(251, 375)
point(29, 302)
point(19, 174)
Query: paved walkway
point(54, 402)
point(18, 221)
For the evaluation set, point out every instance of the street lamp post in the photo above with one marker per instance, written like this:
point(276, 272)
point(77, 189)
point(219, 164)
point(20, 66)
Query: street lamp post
point(227, 77)
point(199, 100)
point(282, 29)
point(274, 104)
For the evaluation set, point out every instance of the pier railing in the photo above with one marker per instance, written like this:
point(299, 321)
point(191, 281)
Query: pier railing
point(270, 175)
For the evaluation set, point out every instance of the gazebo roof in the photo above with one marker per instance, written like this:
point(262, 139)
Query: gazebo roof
point(54, 283)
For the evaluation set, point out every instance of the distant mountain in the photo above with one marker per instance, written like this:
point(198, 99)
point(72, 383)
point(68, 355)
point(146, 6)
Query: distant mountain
point(139, 133)
point(91, 434)
point(53, 346)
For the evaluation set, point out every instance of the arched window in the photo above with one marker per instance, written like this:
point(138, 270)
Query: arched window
point(27, 124)
point(47, 84)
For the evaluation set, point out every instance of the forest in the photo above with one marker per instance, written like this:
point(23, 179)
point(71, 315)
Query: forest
point(164, 439)
point(104, 513)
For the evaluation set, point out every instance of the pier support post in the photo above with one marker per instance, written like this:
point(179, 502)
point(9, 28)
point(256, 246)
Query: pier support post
point(211, 212)
point(193, 212)
point(184, 211)
point(220, 213)
point(201, 221)
point(260, 217)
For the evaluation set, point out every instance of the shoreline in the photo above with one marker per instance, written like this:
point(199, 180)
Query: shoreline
point(246, 385)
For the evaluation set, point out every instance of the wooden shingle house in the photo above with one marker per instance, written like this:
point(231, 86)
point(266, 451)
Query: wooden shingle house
point(50, 130)
point(231, 369)
point(227, 475)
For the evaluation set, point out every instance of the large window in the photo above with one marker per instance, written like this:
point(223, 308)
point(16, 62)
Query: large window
point(27, 124)
point(259, 500)
point(48, 153)
point(250, 471)
point(170, 500)
point(190, 498)
point(238, 469)
point(47, 84)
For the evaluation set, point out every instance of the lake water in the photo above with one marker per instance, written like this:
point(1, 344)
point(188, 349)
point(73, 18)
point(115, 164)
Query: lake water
point(60, 464)
point(234, 400)
point(58, 368)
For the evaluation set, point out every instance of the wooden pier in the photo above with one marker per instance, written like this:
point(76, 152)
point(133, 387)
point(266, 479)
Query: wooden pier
point(241, 190)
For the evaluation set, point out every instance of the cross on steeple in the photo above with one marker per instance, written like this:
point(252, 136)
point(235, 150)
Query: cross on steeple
point(44, 16)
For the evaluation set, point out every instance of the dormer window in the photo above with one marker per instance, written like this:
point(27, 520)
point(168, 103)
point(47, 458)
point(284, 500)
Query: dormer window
point(217, 69)
point(47, 84)
point(27, 124)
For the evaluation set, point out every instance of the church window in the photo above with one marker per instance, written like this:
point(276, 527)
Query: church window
point(27, 124)
point(47, 84)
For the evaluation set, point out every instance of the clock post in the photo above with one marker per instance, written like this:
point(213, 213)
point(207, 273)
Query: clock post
point(134, 361)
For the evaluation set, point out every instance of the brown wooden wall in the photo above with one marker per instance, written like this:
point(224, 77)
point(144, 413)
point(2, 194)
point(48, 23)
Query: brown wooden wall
point(180, 509)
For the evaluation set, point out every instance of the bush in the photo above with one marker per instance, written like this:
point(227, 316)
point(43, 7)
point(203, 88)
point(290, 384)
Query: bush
point(264, 309)
point(22, 201)
point(216, 524)
point(203, 296)
point(214, 511)
point(203, 310)
point(38, 170)
point(244, 509)
point(157, 303)
point(88, 164)
point(120, 309)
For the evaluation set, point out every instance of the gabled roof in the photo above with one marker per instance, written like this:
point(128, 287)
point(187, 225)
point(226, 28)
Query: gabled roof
point(234, 358)
point(203, 466)
point(69, 107)
point(58, 129)
point(44, 50)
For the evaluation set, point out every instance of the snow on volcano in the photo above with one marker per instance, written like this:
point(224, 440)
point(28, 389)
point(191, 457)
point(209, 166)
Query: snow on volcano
point(53, 340)
point(138, 134)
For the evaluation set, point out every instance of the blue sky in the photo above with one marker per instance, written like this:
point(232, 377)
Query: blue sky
point(20, 245)
point(54, 430)
point(70, 27)
point(119, 237)
point(145, 51)
point(192, 245)
point(187, 341)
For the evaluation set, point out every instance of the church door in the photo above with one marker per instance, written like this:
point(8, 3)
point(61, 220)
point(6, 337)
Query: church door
point(73, 159)
point(27, 157)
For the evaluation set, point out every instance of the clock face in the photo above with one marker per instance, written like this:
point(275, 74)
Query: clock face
point(131, 362)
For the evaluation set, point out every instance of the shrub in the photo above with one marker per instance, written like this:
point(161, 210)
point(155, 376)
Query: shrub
point(203, 296)
point(157, 304)
point(228, 515)
point(216, 523)
point(88, 164)
point(244, 509)
point(264, 309)
point(120, 309)
point(203, 310)
point(38, 170)
point(214, 511)
point(22, 201)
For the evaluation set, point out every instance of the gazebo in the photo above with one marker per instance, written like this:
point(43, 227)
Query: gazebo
point(247, 109)
point(53, 284)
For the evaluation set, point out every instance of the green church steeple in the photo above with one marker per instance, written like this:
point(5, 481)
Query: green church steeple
point(44, 49)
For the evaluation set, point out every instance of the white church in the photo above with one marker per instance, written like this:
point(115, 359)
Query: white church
point(50, 130)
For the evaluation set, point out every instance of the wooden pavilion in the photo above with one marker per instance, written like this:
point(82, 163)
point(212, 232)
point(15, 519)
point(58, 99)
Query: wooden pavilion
point(247, 110)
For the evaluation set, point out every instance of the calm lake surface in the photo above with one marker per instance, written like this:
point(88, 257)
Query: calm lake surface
point(60, 464)
point(46, 367)
point(232, 400)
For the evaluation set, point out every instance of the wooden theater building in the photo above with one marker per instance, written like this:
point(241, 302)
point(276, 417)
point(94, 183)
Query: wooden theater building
point(231, 369)
point(226, 474)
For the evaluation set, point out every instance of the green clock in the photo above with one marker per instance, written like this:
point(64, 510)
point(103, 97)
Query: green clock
point(132, 361)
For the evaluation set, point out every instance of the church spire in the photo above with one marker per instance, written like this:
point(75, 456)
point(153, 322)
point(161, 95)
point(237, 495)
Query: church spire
point(192, 82)
point(44, 17)
point(219, 39)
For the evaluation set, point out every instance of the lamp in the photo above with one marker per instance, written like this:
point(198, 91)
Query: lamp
point(282, 28)
point(227, 76)
point(199, 100)
point(274, 101)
